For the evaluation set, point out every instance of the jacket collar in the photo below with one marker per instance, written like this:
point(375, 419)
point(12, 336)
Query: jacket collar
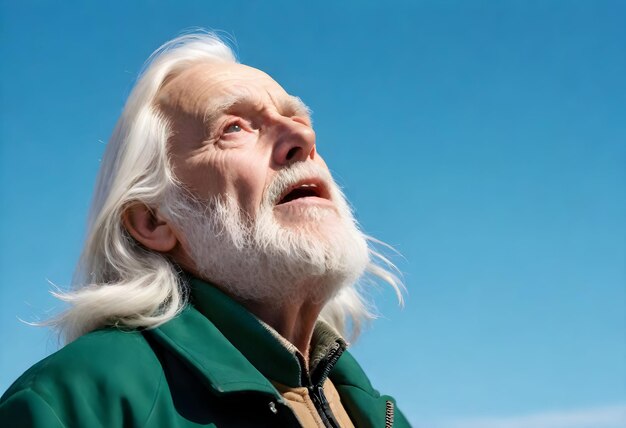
point(232, 349)
point(205, 350)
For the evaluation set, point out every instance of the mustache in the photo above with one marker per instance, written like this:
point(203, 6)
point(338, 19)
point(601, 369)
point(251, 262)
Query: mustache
point(287, 177)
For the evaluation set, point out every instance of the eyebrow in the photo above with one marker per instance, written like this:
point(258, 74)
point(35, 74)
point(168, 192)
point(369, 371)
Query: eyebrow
point(287, 106)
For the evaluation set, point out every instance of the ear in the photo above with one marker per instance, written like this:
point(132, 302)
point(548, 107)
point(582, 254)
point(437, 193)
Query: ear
point(149, 229)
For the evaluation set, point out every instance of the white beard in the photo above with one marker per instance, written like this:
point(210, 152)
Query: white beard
point(262, 260)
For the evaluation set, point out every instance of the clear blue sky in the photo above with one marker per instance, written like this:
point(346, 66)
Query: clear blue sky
point(485, 140)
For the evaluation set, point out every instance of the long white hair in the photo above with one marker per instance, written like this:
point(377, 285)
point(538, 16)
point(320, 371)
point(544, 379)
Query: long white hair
point(120, 283)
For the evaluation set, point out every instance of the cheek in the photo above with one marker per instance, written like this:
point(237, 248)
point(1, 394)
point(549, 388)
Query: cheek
point(239, 172)
point(202, 174)
point(244, 177)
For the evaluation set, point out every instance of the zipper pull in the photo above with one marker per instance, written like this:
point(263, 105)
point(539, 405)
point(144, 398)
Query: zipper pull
point(323, 406)
point(322, 396)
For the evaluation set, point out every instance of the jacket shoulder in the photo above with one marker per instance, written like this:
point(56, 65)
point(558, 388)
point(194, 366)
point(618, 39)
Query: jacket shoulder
point(92, 378)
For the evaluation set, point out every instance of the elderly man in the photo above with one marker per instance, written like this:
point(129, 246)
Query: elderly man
point(219, 269)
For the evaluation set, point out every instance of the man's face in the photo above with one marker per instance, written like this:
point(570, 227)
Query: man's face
point(233, 129)
point(267, 210)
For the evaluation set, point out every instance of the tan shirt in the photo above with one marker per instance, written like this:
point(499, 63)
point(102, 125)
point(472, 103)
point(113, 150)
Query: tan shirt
point(300, 402)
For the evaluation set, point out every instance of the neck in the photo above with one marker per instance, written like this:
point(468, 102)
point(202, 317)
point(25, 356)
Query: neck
point(294, 320)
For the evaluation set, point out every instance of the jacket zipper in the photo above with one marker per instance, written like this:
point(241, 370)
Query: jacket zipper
point(317, 391)
point(389, 414)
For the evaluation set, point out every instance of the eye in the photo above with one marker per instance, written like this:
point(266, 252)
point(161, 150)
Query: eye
point(232, 128)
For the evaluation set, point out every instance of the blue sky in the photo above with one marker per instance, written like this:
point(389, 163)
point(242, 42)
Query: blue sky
point(484, 140)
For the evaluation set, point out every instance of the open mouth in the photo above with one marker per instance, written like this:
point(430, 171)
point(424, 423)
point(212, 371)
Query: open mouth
point(305, 189)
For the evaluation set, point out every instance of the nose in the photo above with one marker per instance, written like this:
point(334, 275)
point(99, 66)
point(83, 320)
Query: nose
point(294, 141)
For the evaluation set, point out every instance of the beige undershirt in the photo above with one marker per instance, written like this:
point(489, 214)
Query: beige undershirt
point(300, 402)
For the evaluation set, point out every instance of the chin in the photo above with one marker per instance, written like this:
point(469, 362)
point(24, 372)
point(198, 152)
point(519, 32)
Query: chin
point(322, 251)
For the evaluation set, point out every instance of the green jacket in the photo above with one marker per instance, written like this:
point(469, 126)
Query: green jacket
point(207, 367)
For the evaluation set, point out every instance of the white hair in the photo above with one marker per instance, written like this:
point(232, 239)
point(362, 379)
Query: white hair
point(120, 283)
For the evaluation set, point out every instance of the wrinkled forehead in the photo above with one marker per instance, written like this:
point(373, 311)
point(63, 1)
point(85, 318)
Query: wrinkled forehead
point(205, 89)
